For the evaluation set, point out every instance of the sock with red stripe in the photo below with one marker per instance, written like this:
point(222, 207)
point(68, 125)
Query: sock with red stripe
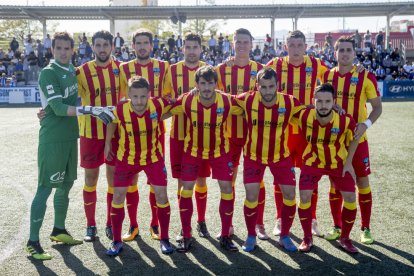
point(186, 211)
point(278, 200)
point(89, 204)
point(261, 203)
point(164, 211)
point(153, 204)
point(365, 205)
point(117, 218)
point(305, 216)
point(201, 202)
point(132, 200)
point(250, 216)
point(348, 218)
point(226, 209)
point(288, 214)
point(335, 202)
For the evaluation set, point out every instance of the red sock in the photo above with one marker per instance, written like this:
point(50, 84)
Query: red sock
point(314, 203)
point(278, 200)
point(109, 197)
point(226, 209)
point(153, 204)
point(117, 218)
point(305, 216)
point(201, 202)
point(348, 218)
point(164, 211)
point(233, 186)
point(288, 214)
point(89, 204)
point(261, 204)
point(186, 211)
point(250, 216)
point(132, 199)
point(335, 202)
point(365, 205)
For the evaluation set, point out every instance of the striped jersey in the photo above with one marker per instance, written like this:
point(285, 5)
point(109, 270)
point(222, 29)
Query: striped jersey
point(353, 89)
point(206, 137)
point(327, 145)
point(97, 86)
point(139, 135)
point(267, 126)
point(178, 80)
point(236, 80)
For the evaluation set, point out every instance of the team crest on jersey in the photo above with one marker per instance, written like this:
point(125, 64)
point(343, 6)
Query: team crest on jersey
point(116, 72)
point(366, 161)
point(156, 71)
point(154, 116)
point(220, 111)
point(281, 111)
point(50, 89)
point(354, 81)
point(334, 131)
point(253, 74)
point(308, 70)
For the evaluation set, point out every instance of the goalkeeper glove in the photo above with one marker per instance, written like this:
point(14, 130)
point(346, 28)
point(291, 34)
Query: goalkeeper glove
point(103, 113)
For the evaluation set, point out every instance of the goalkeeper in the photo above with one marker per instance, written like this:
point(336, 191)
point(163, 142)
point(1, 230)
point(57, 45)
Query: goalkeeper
point(57, 150)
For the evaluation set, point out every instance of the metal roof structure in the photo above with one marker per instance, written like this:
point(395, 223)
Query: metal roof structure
point(206, 11)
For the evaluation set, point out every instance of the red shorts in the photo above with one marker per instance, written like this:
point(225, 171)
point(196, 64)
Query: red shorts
point(310, 176)
point(222, 167)
point(124, 173)
point(283, 171)
point(236, 149)
point(361, 162)
point(176, 156)
point(92, 153)
point(297, 145)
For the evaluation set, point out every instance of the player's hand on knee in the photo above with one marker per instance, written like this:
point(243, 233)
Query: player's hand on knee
point(103, 113)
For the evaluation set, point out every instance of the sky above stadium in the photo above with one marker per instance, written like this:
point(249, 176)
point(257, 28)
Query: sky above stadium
point(258, 27)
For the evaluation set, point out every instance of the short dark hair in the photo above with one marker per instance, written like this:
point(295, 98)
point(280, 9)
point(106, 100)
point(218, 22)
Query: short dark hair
point(105, 35)
point(344, 38)
point(326, 87)
point(243, 31)
point(192, 37)
point(266, 73)
point(295, 34)
point(206, 72)
point(63, 36)
point(138, 82)
point(144, 32)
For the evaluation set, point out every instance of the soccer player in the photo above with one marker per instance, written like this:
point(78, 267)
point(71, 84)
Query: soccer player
point(58, 147)
point(98, 85)
point(329, 151)
point(298, 75)
point(154, 71)
point(180, 78)
point(206, 142)
point(139, 149)
point(268, 114)
point(354, 90)
point(237, 78)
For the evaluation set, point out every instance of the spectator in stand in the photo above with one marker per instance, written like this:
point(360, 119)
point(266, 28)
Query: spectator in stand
point(10, 53)
point(82, 47)
point(156, 45)
point(28, 44)
point(3, 69)
point(2, 54)
point(329, 40)
point(367, 39)
point(268, 41)
point(47, 43)
point(171, 43)
point(366, 62)
point(407, 67)
point(402, 75)
point(220, 43)
point(11, 68)
point(3, 79)
point(387, 62)
point(179, 43)
point(212, 43)
point(33, 67)
point(257, 54)
point(380, 73)
point(14, 45)
point(40, 53)
point(118, 42)
point(357, 38)
point(226, 45)
point(379, 40)
point(124, 54)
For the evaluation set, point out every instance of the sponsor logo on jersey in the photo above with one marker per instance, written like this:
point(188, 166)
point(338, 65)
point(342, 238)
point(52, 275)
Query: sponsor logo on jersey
point(64, 77)
point(354, 81)
point(154, 116)
point(116, 72)
point(220, 111)
point(281, 111)
point(253, 74)
point(57, 177)
point(308, 70)
point(50, 89)
point(335, 131)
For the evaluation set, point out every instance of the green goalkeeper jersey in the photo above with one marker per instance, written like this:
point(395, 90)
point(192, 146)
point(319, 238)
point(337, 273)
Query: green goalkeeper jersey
point(58, 90)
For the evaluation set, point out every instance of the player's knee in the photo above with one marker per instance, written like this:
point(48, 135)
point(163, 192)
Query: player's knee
point(305, 196)
point(349, 196)
point(119, 195)
point(362, 182)
point(91, 177)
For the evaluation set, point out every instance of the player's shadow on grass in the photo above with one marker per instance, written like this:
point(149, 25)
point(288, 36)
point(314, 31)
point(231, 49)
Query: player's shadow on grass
point(100, 251)
point(71, 261)
point(41, 268)
point(394, 250)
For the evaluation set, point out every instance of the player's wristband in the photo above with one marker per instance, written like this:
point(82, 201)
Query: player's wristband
point(368, 123)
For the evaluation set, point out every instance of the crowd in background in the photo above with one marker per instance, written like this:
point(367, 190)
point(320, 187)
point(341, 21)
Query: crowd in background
point(21, 64)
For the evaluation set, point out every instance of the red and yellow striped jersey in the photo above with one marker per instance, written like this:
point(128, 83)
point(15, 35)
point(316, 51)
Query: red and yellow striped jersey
point(139, 136)
point(97, 86)
point(154, 71)
point(298, 81)
point(178, 80)
point(236, 80)
point(327, 145)
point(267, 126)
point(353, 89)
point(205, 137)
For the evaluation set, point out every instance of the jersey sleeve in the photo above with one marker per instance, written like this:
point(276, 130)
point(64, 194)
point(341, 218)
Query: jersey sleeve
point(272, 64)
point(52, 93)
point(123, 84)
point(322, 69)
point(167, 86)
point(235, 109)
point(165, 105)
point(178, 107)
point(81, 90)
point(297, 107)
point(371, 87)
point(240, 100)
point(220, 84)
point(350, 130)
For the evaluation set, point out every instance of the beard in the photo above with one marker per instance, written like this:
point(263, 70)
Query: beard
point(324, 115)
point(103, 60)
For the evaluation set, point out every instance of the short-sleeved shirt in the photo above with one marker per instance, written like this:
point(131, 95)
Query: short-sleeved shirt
point(58, 85)
point(267, 126)
point(139, 135)
point(206, 137)
point(327, 145)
